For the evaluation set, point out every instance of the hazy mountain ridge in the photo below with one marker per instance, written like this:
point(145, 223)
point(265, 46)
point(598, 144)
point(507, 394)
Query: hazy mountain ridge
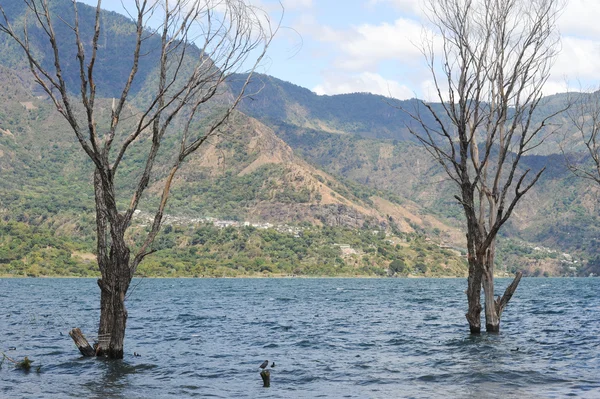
point(115, 46)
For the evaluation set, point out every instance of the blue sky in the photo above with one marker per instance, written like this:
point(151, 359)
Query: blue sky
point(333, 46)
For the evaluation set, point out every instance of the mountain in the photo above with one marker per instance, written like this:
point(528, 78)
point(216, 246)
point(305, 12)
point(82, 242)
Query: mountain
point(560, 213)
point(291, 107)
point(338, 171)
point(286, 104)
point(115, 50)
point(245, 174)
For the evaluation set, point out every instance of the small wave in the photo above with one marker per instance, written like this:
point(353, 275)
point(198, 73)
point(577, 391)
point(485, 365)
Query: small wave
point(286, 299)
point(218, 356)
point(397, 341)
point(304, 343)
point(372, 381)
point(366, 345)
point(282, 328)
point(144, 367)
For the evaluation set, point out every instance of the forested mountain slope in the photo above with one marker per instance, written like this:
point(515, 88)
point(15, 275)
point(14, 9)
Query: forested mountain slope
point(344, 166)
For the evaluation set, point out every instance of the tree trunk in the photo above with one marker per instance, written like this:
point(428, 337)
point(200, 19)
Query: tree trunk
point(492, 320)
point(474, 298)
point(82, 343)
point(494, 308)
point(113, 315)
point(114, 263)
point(266, 377)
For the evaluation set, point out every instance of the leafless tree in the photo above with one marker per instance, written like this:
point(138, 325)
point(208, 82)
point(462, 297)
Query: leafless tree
point(489, 60)
point(230, 36)
point(584, 115)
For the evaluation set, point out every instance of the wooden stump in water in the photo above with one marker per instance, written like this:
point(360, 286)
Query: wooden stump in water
point(82, 344)
point(266, 377)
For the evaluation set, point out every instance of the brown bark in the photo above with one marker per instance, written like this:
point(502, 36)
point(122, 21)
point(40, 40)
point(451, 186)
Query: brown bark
point(113, 313)
point(114, 263)
point(474, 299)
point(266, 377)
point(492, 321)
point(82, 343)
point(494, 308)
point(502, 301)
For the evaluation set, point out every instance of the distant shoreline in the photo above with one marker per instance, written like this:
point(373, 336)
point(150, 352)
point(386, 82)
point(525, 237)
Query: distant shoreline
point(239, 277)
point(276, 277)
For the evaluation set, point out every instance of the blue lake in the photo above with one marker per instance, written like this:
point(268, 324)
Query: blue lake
point(329, 338)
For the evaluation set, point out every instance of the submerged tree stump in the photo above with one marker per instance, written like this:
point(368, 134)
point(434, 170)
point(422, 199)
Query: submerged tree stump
point(82, 344)
point(266, 377)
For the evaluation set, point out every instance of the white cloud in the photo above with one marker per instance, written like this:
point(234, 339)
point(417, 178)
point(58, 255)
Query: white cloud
point(364, 82)
point(371, 56)
point(310, 28)
point(429, 91)
point(580, 18)
point(579, 59)
point(363, 48)
point(404, 6)
point(375, 43)
point(556, 86)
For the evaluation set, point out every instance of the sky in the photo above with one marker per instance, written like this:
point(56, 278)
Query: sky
point(343, 46)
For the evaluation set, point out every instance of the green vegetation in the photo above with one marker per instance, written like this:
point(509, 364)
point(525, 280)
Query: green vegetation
point(24, 364)
point(206, 250)
point(324, 251)
point(229, 196)
point(37, 251)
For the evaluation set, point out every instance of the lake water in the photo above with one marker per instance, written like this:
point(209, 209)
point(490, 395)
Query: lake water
point(329, 338)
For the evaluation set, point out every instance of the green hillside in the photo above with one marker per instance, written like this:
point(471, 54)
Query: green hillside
point(339, 171)
point(561, 212)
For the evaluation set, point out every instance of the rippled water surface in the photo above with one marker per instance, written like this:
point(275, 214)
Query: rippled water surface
point(329, 338)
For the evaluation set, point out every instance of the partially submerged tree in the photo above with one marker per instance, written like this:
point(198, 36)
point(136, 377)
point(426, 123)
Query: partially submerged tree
point(489, 62)
point(231, 36)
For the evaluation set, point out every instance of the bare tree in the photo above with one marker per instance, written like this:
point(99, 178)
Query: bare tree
point(585, 118)
point(489, 62)
point(230, 35)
